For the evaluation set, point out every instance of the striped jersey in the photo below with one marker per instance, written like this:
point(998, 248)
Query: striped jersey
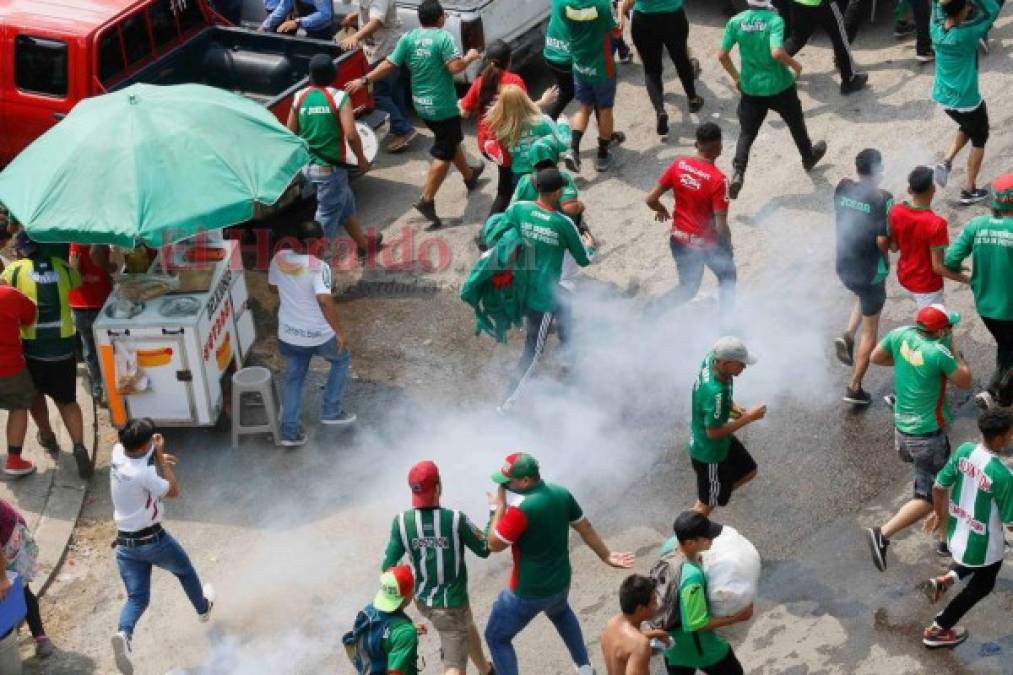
point(981, 503)
point(435, 539)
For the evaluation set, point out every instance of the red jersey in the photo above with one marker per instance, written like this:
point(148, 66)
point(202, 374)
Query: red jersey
point(470, 103)
point(917, 231)
point(16, 310)
point(96, 284)
point(700, 191)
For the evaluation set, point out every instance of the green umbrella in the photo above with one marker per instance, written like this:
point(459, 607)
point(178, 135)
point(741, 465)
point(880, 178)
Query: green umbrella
point(152, 164)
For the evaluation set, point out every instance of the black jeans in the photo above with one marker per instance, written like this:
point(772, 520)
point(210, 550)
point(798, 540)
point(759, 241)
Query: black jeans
point(1001, 385)
point(922, 11)
point(753, 110)
point(690, 262)
point(651, 33)
point(505, 184)
point(854, 15)
point(827, 15)
point(981, 584)
point(727, 666)
point(34, 617)
point(564, 80)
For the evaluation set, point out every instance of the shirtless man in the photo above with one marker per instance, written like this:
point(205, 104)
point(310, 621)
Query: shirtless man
point(626, 649)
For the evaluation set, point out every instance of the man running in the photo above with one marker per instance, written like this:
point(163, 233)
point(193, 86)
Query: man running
point(955, 37)
point(920, 234)
point(432, 59)
point(924, 358)
point(700, 232)
point(625, 648)
point(434, 539)
point(722, 464)
point(862, 264)
point(549, 233)
point(766, 83)
point(973, 495)
point(536, 526)
point(384, 639)
point(989, 242)
point(805, 16)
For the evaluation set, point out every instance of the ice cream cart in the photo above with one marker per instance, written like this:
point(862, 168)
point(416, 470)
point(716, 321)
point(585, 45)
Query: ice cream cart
point(177, 348)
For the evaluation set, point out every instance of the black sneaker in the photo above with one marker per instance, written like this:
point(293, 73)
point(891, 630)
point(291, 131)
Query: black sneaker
point(571, 159)
point(844, 346)
point(603, 163)
point(890, 400)
point(877, 546)
point(625, 57)
point(857, 81)
point(476, 173)
point(695, 104)
point(662, 126)
point(735, 186)
point(819, 149)
point(903, 29)
point(363, 253)
point(428, 209)
point(618, 138)
point(942, 549)
point(857, 396)
point(968, 197)
point(84, 467)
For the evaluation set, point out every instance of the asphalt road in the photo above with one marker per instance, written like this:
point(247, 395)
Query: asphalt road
point(293, 539)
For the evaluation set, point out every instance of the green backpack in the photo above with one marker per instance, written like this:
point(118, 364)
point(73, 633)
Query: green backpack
point(497, 287)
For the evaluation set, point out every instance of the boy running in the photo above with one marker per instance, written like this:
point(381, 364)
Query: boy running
point(862, 264)
point(973, 494)
point(625, 648)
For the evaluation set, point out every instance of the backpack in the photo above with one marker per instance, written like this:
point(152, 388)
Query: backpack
point(364, 643)
point(667, 574)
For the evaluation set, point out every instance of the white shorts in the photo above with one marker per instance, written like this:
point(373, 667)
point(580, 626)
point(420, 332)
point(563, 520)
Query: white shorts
point(926, 299)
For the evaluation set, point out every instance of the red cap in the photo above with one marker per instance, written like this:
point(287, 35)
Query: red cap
point(423, 479)
point(936, 317)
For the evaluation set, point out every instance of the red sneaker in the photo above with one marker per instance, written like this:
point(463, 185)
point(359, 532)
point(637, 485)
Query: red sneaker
point(935, 637)
point(15, 466)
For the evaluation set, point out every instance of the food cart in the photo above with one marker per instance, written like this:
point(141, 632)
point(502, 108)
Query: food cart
point(167, 357)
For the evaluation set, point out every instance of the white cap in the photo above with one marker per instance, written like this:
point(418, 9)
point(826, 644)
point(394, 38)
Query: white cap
point(758, 3)
point(731, 348)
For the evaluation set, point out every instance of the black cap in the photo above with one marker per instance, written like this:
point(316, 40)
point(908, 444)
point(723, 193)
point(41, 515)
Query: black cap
point(548, 180)
point(693, 525)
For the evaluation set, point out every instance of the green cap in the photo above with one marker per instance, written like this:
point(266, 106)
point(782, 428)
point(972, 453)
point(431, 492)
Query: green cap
point(545, 149)
point(517, 465)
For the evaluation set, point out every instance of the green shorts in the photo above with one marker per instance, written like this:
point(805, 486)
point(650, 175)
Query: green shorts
point(16, 391)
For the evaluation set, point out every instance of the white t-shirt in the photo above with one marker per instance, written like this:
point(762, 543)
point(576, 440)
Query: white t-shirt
point(300, 278)
point(380, 44)
point(137, 491)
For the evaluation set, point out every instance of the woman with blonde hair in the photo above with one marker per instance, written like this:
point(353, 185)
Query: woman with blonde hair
point(515, 122)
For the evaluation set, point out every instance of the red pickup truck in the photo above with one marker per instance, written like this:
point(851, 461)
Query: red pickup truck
point(53, 53)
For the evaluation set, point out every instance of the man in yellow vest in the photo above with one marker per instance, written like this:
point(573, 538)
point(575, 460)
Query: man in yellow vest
point(49, 341)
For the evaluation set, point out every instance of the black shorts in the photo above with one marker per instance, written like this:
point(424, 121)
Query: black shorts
point(447, 135)
point(974, 123)
point(715, 482)
point(729, 665)
point(871, 297)
point(55, 379)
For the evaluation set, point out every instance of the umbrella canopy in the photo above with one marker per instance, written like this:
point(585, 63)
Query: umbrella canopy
point(152, 164)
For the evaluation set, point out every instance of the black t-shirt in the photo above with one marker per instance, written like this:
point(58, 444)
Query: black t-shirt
point(860, 211)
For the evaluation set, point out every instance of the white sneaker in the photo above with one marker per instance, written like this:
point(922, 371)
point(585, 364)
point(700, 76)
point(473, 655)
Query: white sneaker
point(123, 653)
point(209, 595)
point(984, 400)
point(585, 670)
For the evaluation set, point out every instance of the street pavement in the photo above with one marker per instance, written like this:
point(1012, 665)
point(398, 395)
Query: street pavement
point(293, 539)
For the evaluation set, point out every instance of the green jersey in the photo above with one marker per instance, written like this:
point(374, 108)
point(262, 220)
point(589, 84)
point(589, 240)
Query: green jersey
point(921, 365)
point(989, 242)
point(435, 540)
point(712, 406)
point(757, 31)
point(47, 281)
point(549, 233)
point(319, 124)
point(692, 647)
point(557, 35)
point(426, 52)
point(657, 6)
point(590, 24)
point(401, 645)
point(537, 525)
point(981, 505)
point(520, 162)
point(956, 83)
point(527, 192)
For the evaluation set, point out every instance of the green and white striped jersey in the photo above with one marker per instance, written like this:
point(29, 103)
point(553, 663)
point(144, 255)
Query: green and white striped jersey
point(981, 504)
point(435, 539)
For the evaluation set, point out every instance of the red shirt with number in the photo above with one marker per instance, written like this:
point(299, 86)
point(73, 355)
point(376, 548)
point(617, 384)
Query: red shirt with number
point(96, 283)
point(917, 231)
point(16, 310)
point(700, 191)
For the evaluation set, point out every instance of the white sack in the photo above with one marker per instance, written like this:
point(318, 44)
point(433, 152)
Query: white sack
point(732, 568)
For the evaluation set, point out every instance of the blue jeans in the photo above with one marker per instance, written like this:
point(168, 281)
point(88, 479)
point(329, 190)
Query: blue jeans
point(83, 320)
point(335, 201)
point(135, 565)
point(388, 94)
point(510, 614)
point(297, 363)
